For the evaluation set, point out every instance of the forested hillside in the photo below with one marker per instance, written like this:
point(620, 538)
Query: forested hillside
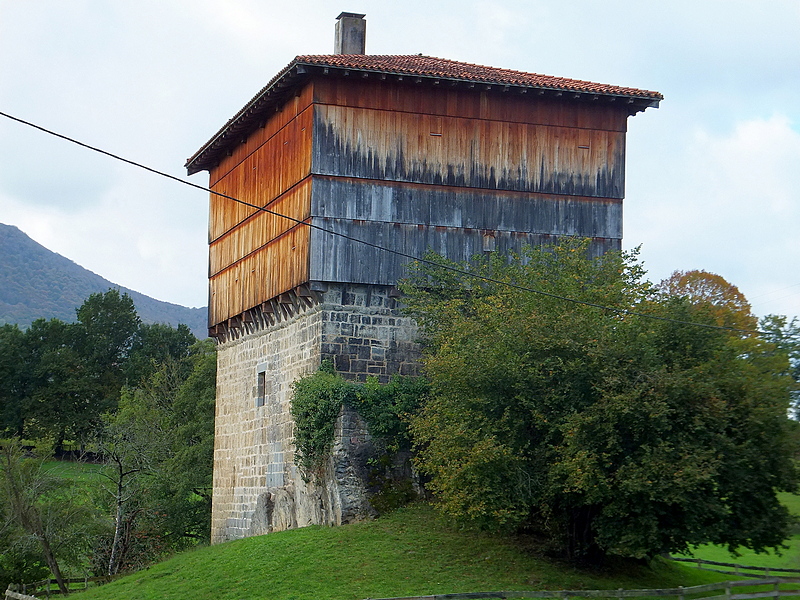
point(37, 283)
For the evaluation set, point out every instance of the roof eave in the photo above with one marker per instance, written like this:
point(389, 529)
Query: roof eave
point(239, 123)
point(298, 71)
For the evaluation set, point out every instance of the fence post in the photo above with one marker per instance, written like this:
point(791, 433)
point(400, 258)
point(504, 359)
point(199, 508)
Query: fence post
point(727, 589)
point(620, 595)
point(681, 595)
point(777, 589)
point(48, 587)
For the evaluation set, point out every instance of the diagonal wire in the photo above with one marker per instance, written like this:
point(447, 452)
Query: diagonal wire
point(620, 311)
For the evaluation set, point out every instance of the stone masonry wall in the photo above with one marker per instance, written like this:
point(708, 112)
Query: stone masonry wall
point(257, 486)
point(365, 333)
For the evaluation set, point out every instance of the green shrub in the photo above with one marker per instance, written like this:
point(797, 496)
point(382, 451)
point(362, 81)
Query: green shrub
point(386, 408)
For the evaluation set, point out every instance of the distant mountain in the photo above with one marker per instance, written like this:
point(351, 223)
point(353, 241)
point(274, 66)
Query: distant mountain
point(37, 283)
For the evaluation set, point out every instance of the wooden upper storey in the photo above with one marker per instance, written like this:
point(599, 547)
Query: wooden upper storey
point(446, 164)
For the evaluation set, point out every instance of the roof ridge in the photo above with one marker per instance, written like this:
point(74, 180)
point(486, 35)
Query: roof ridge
point(423, 65)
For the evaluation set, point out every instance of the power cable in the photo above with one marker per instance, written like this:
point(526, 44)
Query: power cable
point(620, 311)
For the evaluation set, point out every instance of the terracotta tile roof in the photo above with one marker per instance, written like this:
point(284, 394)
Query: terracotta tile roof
point(429, 66)
point(418, 66)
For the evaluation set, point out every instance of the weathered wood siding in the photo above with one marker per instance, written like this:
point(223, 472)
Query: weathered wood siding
point(490, 140)
point(254, 256)
point(412, 167)
point(333, 260)
point(420, 167)
point(452, 221)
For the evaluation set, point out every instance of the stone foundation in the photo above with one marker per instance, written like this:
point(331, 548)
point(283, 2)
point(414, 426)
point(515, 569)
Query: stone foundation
point(257, 486)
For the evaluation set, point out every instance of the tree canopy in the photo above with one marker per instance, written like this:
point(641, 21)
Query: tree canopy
point(712, 293)
point(40, 514)
point(630, 430)
point(57, 378)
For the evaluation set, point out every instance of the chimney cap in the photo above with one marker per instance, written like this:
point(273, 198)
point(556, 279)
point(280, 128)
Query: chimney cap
point(351, 15)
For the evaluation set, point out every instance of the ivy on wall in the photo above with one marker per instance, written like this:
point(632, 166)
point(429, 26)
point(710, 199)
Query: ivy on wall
point(318, 398)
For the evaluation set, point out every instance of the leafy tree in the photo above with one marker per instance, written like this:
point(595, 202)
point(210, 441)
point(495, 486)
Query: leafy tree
point(104, 334)
point(604, 431)
point(712, 293)
point(145, 394)
point(18, 562)
point(62, 393)
point(108, 323)
point(40, 507)
point(133, 442)
point(57, 378)
point(151, 345)
point(13, 378)
point(183, 488)
point(785, 334)
point(158, 450)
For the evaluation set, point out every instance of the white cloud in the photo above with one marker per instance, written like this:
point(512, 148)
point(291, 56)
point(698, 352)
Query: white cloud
point(725, 203)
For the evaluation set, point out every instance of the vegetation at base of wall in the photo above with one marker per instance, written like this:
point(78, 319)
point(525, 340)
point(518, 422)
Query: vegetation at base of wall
point(316, 402)
point(318, 398)
point(391, 494)
point(388, 407)
point(412, 551)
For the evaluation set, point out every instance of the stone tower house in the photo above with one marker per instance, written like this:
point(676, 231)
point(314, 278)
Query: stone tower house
point(408, 153)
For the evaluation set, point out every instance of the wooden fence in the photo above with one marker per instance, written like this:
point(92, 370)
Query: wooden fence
point(776, 587)
point(734, 569)
point(17, 596)
point(48, 587)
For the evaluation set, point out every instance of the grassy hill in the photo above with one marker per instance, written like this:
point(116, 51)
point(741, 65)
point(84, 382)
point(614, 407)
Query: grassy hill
point(37, 283)
point(409, 552)
point(788, 558)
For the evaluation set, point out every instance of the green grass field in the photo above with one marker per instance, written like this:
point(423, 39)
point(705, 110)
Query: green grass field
point(82, 473)
point(789, 558)
point(409, 552)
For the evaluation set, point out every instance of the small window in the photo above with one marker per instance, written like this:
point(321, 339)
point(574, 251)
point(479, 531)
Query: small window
point(261, 388)
point(263, 385)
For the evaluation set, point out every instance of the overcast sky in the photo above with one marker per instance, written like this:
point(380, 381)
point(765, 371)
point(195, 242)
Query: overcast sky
point(712, 175)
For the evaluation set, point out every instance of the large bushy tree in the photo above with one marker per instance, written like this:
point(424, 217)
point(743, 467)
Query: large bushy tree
point(605, 431)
